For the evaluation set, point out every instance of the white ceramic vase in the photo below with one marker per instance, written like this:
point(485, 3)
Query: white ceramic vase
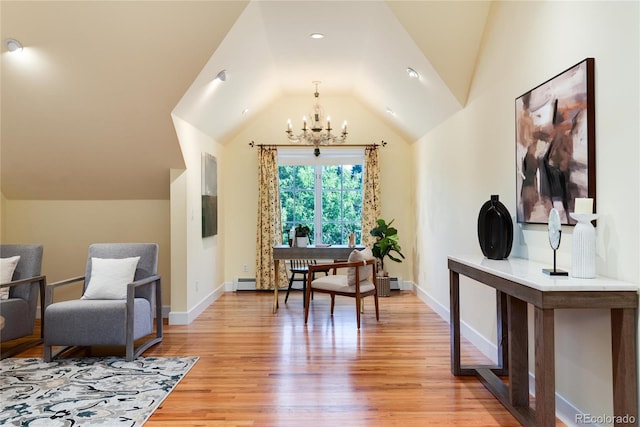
point(302, 242)
point(583, 251)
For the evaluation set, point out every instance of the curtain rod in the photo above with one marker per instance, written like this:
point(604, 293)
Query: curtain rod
point(253, 144)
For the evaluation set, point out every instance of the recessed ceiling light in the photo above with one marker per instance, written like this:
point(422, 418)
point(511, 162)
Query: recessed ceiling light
point(222, 75)
point(245, 111)
point(13, 45)
point(412, 73)
point(316, 35)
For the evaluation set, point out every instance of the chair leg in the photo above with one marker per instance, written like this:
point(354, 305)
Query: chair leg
point(304, 289)
point(358, 306)
point(47, 353)
point(333, 302)
point(306, 307)
point(289, 288)
point(375, 298)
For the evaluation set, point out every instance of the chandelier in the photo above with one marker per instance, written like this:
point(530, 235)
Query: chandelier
point(314, 132)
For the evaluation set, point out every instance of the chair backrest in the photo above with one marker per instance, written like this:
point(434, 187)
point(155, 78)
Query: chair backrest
point(30, 265)
point(147, 265)
point(300, 263)
point(366, 272)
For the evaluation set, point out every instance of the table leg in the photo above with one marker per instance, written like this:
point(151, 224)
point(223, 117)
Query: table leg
point(545, 368)
point(276, 264)
point(454, 321)
point(502, 323)
point(518, 352)
point(625, 371)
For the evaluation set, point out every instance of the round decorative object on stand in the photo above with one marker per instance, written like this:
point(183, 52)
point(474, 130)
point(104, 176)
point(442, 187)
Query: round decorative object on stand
point(495, 229)
point(555, 234)
point(583, 251)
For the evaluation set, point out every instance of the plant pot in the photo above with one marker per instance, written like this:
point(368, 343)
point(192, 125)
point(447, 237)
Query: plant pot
point(384, 286)
point(302, 242)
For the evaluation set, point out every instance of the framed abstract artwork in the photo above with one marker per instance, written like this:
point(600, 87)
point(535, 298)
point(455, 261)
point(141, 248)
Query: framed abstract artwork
point(209, 195)
point(555, 145)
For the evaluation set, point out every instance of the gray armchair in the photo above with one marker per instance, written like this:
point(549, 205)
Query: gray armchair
point(18, 312)
point(108, 322)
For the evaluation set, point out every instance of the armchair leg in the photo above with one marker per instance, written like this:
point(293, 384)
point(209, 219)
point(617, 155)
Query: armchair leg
point(50, 354)
point(47, 353)
point(20, 348)
point(358, 307)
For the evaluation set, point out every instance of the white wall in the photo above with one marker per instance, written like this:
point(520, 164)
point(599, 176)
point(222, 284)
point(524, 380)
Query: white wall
point(197, 262)
point(472, 155)
point(66, 228)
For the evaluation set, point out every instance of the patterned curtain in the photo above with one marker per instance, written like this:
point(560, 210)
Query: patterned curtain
point(371, 196)
point(269, 232)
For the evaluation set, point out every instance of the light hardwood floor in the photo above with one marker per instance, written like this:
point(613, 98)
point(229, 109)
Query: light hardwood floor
point(261, 369)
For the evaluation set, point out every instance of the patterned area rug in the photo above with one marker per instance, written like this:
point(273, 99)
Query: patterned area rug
point(86, 392)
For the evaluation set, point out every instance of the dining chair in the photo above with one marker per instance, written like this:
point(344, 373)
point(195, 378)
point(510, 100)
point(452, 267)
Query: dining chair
point(301, 266)
point(358, 283)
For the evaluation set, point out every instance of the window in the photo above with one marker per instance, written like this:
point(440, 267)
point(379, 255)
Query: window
point(324, 193)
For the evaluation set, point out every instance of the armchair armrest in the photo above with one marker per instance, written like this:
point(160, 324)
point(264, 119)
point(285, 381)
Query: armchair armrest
point(42, 284)
point(48, 298)
point(143, 282)
point(155, 281)
point(22, 281)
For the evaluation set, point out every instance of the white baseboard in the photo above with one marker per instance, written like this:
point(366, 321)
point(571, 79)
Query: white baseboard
point(565, 410)
point(185, 318)
point(487, 348)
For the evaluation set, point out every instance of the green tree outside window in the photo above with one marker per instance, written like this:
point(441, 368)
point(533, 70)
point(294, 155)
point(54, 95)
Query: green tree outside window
point(327, 198)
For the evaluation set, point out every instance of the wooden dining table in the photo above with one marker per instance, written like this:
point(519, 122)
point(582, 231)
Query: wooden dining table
point(285, 252)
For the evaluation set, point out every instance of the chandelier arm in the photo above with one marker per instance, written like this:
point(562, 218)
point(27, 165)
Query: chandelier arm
point(254, 144)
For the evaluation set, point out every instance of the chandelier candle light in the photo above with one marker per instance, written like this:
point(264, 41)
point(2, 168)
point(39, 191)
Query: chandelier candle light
point(315, 133)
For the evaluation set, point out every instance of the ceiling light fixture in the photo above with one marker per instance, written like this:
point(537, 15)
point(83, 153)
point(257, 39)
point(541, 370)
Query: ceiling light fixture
point(222, 75)
point(316, 35)
point(315, 133)
point(13, 45)
point(412, 73)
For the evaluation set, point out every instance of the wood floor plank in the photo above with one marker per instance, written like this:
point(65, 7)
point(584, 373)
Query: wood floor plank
point(257, 368)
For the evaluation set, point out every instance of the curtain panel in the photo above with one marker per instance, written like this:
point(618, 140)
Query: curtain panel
point(371, 195)
point(269, 227)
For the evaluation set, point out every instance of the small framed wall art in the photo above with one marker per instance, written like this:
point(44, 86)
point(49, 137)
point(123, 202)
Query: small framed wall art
point(209, 195)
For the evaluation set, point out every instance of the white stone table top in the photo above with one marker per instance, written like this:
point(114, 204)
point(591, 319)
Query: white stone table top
point(529, 273)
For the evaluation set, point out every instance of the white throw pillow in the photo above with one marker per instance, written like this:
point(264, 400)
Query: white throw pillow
point(7, 267)
point(365, 272)
point(110, 277)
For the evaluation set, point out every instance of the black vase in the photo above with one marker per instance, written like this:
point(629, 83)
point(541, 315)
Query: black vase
point(495, 229)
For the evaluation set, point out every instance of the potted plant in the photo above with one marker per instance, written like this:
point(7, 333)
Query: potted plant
point(302, 235)
point(386, 245)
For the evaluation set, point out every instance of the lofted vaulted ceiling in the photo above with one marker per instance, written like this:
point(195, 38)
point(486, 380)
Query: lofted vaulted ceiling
point(86, 107)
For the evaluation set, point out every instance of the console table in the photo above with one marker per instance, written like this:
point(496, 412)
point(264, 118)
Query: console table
point(519, 282)
point(284, 252)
